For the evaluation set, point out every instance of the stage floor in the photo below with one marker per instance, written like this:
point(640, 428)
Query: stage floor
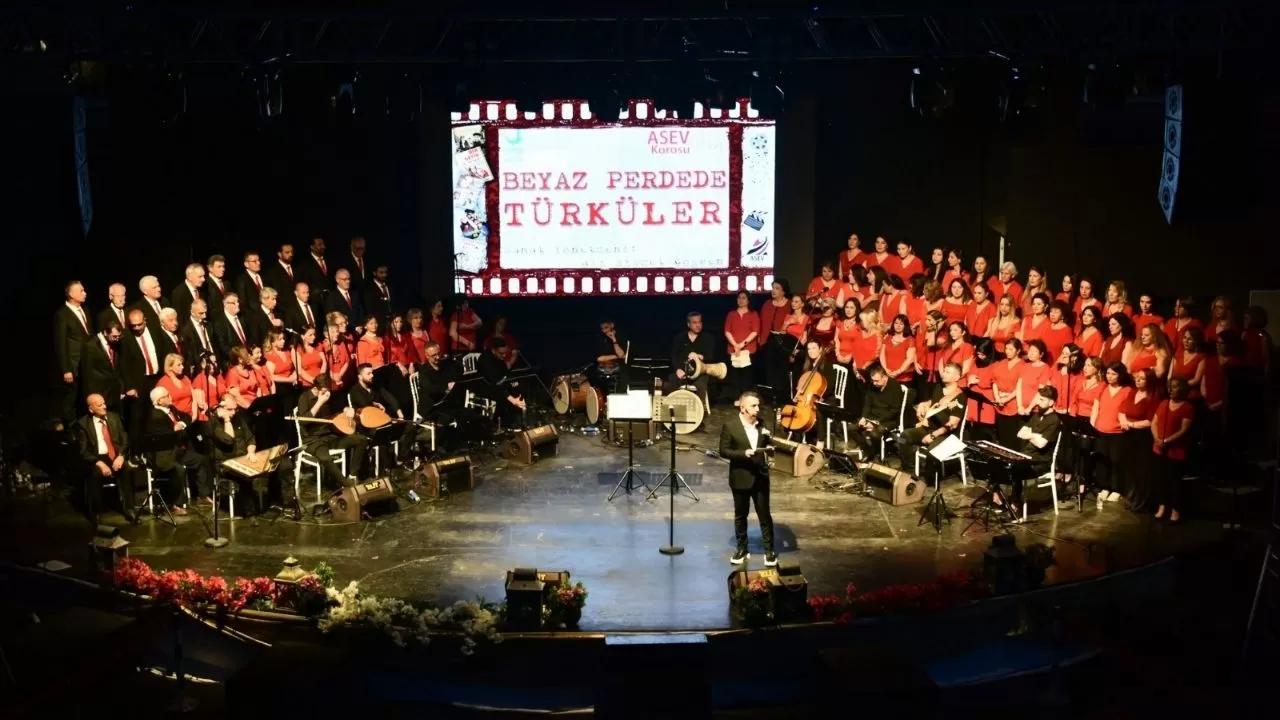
point(555, 516)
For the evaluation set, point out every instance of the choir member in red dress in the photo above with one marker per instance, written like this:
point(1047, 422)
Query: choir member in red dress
point(955, 306)
point(1145, 315)
point(206, 387)
point(1085, 299)
point(438, 327)
point(931, 343)
point(1004, 325)
point(1006, 388)
point(1006, 284)
point(981, 410)
point(1135, 420)
point(955, 269)
point(463, 327)
point(959, 348)
point(1068, 292)
point(1066, 379)
point(1037, 283)
point(914, 304)
point(858, 286)
point(1121, 343)
point(742, 339)
point(855, 346)
point(401, 349)
point(500, 331)
point(282, 368)
point(932, 294)
point(1183, 309)
point(1171, 431)
point(775, 309)
point(1036, 322)
point(1060, 333)
point(243, 381)
point(1152, 353)
point(1033, 373)
point(418, 334)
point(823, 329)
point(339, 359)
point(796, 326)
point(1189, 361)
point(1088, 336)
point(979, 314)
point(311, 358)
point(1105, 419)
point(852, 257)
point(369, 349)
point(982, 274)
point(905, 264)
point(893, 301)
point(178, 385)
point(937, 266)
point(824, 287)
point(866, 348)
point(1220, 318)
point(881, 253)
point(879, 280)
point(898, 351)
point(1256, 340)
point(1117, 300)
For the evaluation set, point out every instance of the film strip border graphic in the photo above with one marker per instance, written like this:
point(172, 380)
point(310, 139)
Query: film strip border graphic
point(496, 110)
point(639, 282)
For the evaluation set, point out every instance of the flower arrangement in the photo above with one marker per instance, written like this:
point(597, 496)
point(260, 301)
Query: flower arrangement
point(945, 593)
point(476, 620)
point(562, 605)
point(188, 588)
point(751, 603)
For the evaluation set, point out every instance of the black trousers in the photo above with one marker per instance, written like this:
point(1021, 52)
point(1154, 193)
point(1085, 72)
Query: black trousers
point(742, 501)
point(187, 465)
point(355, 444)
point(94, 479)
point(1168, 481)
point(911, 440)
point(868, 440)
point(1109, 462)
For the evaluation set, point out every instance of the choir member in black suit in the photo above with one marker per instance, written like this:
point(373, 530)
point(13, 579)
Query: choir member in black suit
point(100, 365)
point(141, 365)
point(71, 330)
point(343, 298)
point(116, 307)
point(316, 270)
point(228, 330)
point(298, 312)
point(216, 286)
point(191, 289)
point(377, 296)
point(283, 273)
point(152, 301)
point(181, 461)
point(168, 339)
point(262, 319)
point(251, 282)
point(104, 445)
point(355, 262)
point(196, 336)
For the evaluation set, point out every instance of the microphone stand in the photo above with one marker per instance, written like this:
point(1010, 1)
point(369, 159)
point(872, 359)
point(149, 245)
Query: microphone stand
point(673, 477)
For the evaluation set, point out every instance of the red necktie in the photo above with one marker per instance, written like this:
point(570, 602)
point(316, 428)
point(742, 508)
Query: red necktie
point(323, 269)
point(146, 354)
point(360, 266)
point(204, 339)
point(257, 280)
point(310, 318)
point(288, 270)
point(239, 330)
point(177, 343)
point(83, 321)
point(111, 355)
point(218, 282)
point(173, 418)
point(346, 298)
point(106, 440)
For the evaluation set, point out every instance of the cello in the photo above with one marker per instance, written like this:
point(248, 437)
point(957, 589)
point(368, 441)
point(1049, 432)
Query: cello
point(801, 414)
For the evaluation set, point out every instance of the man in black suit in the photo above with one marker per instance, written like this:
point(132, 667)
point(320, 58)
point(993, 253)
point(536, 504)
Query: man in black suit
point(298, 313)
point(507, 396)
point(104, 444)
point(283, 274)
point(228, 330)
point(141, 358)
point(319, 438)
point(882, 411)
point(251, 282)
point(191, 289)
point(100, 366)
point(343, 298)
point(168, 340)
point(743, 440)
point(197, 339)
point(216, 287)
point(356, 263)
point(178, 461)
point(377, 296)
point(152, 301)
point(71, 330)
point(316, 270)
point(263, 319)
point(116, 307)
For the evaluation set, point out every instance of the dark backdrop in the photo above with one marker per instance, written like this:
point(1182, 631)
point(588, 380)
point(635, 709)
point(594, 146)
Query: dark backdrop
point(1073, 187)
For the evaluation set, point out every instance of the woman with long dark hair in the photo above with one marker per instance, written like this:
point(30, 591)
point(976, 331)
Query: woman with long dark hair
point(1135, 420)
point(1171, 428)
point(1105, 419)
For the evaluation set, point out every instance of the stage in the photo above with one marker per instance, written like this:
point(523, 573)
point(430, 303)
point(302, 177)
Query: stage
point(555, 516)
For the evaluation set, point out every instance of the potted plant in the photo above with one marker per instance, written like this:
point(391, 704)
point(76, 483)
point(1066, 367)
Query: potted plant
point(751, 603)
point(563, 605)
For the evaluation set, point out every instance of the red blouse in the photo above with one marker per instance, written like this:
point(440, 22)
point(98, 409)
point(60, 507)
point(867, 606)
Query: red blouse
point(341, 368)
point(926, 357)
point(403, 350)
point(213, 389)
point(1125, 309)
point(955, 311)
point(1167, 421)
point(999, 290)
point(1000, 336)
point(1055, 339)
point(371, 351)
point(866, 348)
point(311, 363)
point(1175, 327)
point(420, 341)
point(958, 354)
point(1143, 359)
point(985, 411)
point(950, 275)
point(179, 392)
point(1140, 321)
point(1031, 330)
point(859, 258)
point(1109, 406)
point(771, 316)
point(1113, 349)
point(895, 265)
point(977, 319)
point(283, 360)
point(796, 328)
point(1086, 392)
point(874, 259)
point(1185, 365)
point(467, 318)
point(1033, 377)
point(739, 326)
point(1005, 375)
point(1090, 342)
point(819, 290)
point(1137, 410)
point(438, 331)
point(895, 354)
point(250, 386)
point(891, 305)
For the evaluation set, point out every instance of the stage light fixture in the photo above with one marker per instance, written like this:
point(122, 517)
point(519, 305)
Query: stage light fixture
point(107, 550)
point(286, 583)
point(1002, 564)
point(524, 599)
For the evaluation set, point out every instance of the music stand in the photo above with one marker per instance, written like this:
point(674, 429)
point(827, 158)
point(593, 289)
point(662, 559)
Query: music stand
point(629, 409)
point(672, 477)
point(275, 455)
point(149, 445)
point(937, 505)
point(992, 514)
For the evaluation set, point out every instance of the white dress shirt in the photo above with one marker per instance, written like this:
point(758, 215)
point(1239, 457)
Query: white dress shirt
point(753, 432)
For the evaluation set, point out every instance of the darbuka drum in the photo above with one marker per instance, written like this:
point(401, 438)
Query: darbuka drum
point(569, 393)
point(695, 368)
point(687, 404)
point(595, 405)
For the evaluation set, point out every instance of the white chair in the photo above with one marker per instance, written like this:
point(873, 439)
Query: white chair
point(377, 456)
point(477, 402)
point(922, 453)
point(1050, 478)
point(902, 421)
point(307, 459)
point(469, 363)
point(417, 416)
point(837, 393)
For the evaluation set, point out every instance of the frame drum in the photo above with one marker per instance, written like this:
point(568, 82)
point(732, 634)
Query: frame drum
point(693, 409)
point(569, 393)
point(596, 402)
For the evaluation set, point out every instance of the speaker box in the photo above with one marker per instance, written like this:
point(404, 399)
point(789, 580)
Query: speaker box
point(621, 432)
point(448, 476)
point(527, 446)
point(893, 486)
point(350, 503)
point(797, 459)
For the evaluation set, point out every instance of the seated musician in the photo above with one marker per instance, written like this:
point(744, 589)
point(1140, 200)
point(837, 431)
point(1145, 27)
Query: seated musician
point(1037, 438)
point(936, 417)
point(319, 437)
point(179, 460)
point(103, 446)
point(816, 360)
point(689, 345)
point(506, 394)
point(881, 410)
point(231, 436)
point(500, 332)
point(366, 394)
point(610, 372)
point(435, 381)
